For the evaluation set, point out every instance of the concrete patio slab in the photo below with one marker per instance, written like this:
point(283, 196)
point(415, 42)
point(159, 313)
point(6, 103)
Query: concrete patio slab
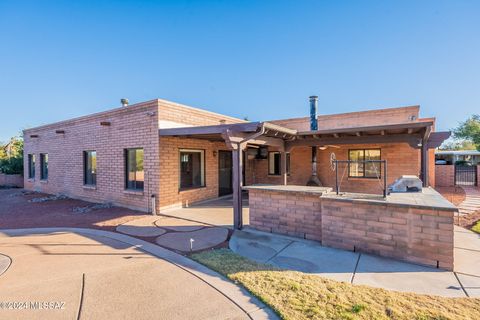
point(312, 258)
point(143, 227)
point(179, 225)
point(466, 239)
point(63, 291)
point(157, 292)
point(467, 252)
point(471, 284)
point(217, 212)
point(257, 246)
point(203, 239)
point(467, 261)
point(5, 262)
point(406, 277)
point(163, 278)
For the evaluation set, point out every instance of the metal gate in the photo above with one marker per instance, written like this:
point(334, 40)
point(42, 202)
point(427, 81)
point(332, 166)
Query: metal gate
point(466, 175)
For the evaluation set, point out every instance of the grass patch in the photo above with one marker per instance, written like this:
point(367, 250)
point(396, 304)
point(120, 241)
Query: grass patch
point(476, 227)
point(297, 295)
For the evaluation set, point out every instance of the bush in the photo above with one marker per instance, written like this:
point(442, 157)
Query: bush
point(12, 165)
point(11, 157)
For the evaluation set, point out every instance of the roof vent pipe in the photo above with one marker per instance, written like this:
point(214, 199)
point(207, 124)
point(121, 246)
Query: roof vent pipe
point(124, 102)
point(313, 112)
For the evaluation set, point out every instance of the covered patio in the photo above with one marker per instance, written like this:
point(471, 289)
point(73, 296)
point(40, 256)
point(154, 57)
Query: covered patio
point(214, 212)
point(239, 137)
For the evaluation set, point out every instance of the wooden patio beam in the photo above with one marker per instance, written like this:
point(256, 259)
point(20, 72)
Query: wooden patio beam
point(411, 139)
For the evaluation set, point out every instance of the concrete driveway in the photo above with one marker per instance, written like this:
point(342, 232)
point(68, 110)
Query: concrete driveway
point(92, 274)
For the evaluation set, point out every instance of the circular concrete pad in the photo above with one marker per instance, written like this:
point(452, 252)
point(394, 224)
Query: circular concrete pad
point(5, 262)
point(179, 225)
point(143, 227)
point(203, 239)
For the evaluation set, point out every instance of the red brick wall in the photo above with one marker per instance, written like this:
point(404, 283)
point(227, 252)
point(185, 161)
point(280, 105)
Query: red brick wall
point(131, 127)
point(135, 126)
point(431, 168)
point(170, 195)
point(353, 119)
point(179, 113)
point(14, 180)
point(401, 159)
point(422, 236)
point(445, 175)
point(289, 213)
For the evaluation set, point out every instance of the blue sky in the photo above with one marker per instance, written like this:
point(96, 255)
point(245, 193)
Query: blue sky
point(260, 59)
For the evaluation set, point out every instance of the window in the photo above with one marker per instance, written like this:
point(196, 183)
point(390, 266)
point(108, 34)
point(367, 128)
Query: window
point(43, 166)
point(361, 169)
point(192, 168)
point(274, 164)
point(134, 175)
point(90, 168)
point(31, 166)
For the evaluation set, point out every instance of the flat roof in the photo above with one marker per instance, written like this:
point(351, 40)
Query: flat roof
point(458, 152)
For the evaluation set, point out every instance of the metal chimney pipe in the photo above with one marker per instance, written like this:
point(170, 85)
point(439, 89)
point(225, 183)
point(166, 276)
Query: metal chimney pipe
point(313, 112)
point(124, 102)
point(314, 181)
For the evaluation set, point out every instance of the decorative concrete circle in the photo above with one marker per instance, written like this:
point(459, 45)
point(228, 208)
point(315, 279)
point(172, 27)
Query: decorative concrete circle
point(179, 225)
point(203, 239)
point(143, 227)
point(5, 262)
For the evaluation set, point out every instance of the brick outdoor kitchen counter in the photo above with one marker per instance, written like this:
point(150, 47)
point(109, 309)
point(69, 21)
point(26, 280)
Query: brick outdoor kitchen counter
point(415, 227)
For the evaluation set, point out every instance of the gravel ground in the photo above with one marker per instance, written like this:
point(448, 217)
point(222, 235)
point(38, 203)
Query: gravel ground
point(17, 212)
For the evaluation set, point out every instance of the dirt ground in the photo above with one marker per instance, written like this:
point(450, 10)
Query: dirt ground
point(17, 212)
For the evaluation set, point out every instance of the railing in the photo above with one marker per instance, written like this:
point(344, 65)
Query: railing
point(348, 162)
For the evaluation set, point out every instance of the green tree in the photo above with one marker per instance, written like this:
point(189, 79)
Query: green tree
point(469, 130)
point(11, 156)
point(454, 145)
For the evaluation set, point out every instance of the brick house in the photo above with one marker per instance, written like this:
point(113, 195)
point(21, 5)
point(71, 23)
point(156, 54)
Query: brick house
point(177, 155)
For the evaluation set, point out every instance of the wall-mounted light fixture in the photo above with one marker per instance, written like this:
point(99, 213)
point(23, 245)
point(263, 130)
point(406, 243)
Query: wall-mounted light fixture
point(214, 153)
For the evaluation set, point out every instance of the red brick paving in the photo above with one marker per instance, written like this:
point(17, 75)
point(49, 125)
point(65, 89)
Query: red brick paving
point(455, 195)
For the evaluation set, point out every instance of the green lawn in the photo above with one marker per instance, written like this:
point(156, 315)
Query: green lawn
point(296, 295)
point(476, 227)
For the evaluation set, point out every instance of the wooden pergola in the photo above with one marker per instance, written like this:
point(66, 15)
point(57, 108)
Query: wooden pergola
point(418, 134)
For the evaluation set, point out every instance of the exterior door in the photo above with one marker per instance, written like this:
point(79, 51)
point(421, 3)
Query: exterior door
point(224, 173)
